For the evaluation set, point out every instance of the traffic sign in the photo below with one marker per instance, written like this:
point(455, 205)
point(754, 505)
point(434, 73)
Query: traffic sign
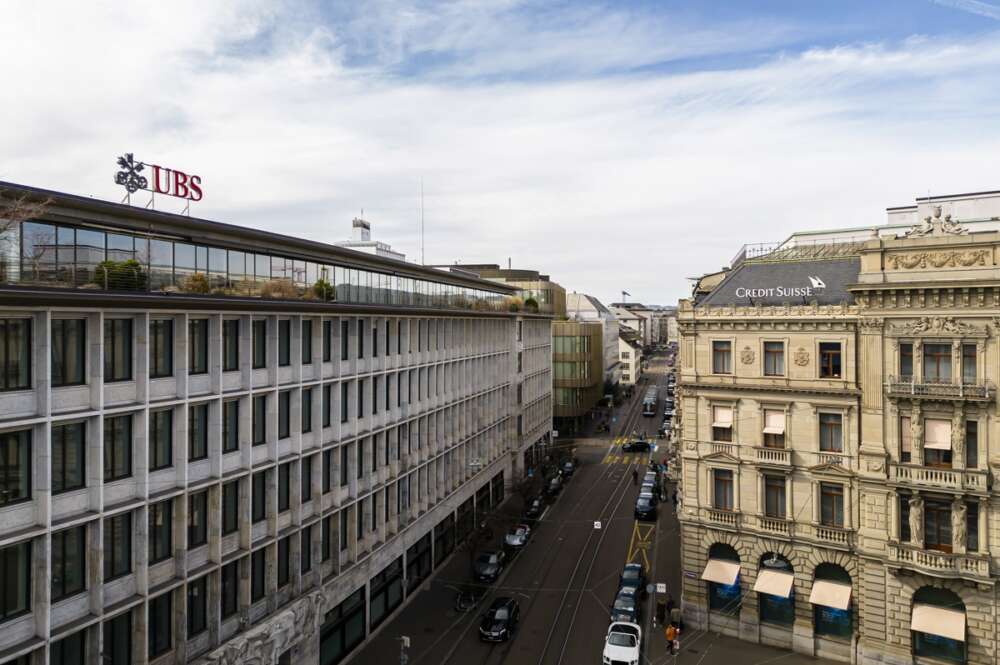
point(597, 525)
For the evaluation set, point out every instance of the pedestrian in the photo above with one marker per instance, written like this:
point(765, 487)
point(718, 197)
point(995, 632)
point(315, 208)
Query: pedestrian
point(671, 637)
point(635, 477)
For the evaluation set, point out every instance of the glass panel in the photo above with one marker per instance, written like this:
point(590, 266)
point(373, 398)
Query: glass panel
point(89, 254)
point(161, 264)
point(65, 254)
point(238, 272)
point(184, 263)
point(120, 247)
point(217, 268)
point(262, 267)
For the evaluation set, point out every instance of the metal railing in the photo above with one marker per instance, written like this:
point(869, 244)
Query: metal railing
point(911, 386)
point(798, 249)
point(940, 478)
point(941, 563)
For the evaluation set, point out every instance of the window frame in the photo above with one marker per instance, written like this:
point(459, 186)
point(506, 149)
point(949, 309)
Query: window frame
point(826, 429)
point(258, 343)
point(161, 453)
point(231, 345)
point(18, 557)
point(161, 537)
point(59, 340)
point(161, 617)
point(116, 446)
point(722, 358)
point(284, 342)
point(161, 348)
point(197, 534)
point(830, 359)
point(58, 480)
point(726, 500)
point(197, 617)
point(258, 499)
point(25, 340)
point(306, 341)
point(117, 560)
point(115, 331)
point(198, 437)
point(62, 559)
point(834, 492)
point(197, 346)
point(773, 355)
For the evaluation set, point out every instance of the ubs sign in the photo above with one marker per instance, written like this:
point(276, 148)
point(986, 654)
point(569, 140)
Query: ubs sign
point(815, 288)
point(171, 182)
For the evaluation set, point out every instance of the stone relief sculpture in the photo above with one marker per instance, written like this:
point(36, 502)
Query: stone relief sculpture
point(959, 535)
point(933, 225)
point(264, 644)
point(746, 355)
point(801, 357)
point(937, 325)
point(916, 521)
point(917, 436)
point(958, 439)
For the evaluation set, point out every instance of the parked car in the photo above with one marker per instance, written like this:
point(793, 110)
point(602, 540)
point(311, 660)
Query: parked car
point(500, 620)
point(518, 536)
point(626, 606)
point(645, 509)
point(636, 446)
point(489, 565)
point(622, 643)
point(554, 486)
point(633, 576)
point(650, 492)
point(535, 509)
point(568, 469)
point(466, 599)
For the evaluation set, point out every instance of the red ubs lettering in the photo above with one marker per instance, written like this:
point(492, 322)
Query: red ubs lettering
point(176, 183)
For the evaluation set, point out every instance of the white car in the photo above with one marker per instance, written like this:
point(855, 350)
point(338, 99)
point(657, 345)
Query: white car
point(518, 536)
point(622, 644)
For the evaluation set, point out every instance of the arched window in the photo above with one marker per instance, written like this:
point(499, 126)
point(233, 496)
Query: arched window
point(937, 622)
point(831, 601)
point(774, 590)
point(723, 576)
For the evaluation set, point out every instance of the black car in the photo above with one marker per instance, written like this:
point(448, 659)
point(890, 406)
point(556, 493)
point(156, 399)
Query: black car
point(645, 509)
point(489, 565)
point(535, 509)
point(499, 620)
point(466, 599)
point(636, 446)
point(568, 469)
point(626, 606)
point(553, 487)
point(633, 576)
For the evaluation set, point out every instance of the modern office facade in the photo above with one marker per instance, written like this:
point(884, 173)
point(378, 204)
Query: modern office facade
point(838, 445)
point(212, 453)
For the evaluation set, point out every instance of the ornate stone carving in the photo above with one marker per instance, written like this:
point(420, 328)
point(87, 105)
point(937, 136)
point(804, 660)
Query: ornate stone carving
point(873, 324)
point(936, 325)
point(265, 643)
point(958, 439)
point(948, 259)
point(935, 226)
point(746, 355)
point(801, 357)
point(958, 525)
point(917, 521)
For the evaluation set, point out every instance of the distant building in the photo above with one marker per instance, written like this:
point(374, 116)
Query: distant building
point(630, 356)
point(361, 241)
point(548, 295)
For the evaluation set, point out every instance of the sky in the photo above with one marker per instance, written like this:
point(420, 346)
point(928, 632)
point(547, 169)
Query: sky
point(617, 146)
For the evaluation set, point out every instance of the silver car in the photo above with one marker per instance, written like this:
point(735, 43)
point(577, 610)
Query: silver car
point(518, 536)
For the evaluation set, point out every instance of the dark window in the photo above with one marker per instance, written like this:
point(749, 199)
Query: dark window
point(721, 357)
point(117, 447)
point(904, 518)
point(831, 432)
point(327, 397)
point(343, 529)
point(117, 640)
point(399, 337)
point(117, 546)
point(230, 426)
point(774, 496)
point(906, 361)
point(359, 448)
point(831, 504)
point(327, 470)
point(117, 350)
point(829, 360)
point(258, 569)
point(198, 432)
point(385, 379)
point(161, 619)
point(197, 610)
point(284, 414)
point(971, 444)
point(374, 339)
point(388, 346)
point(69, 562)
point(259, 419)
point(15, 571)
point(198, 346)
point(937, 526)
point(284, 342)
point(362, 331)
point(306, 478)
point(723, 486)
point(345, 329)
point(230, 589)
point(940, 649)
point(259, 343)
point(326, 546)
point(307, 410)
point(15, 466)
point(972, 526)
point(15, 354)
point(375, 381)
point(343, 464)
point(305, 549)
point(284, 566)
point(69, 349)
point(969, 364)
point(161, 433)
point(160, 531)
point(327, 340)
point(161, 348)
point(937, 363)
point(197, 519)
point(70, 650)
point(307, 342)
point(361, 398)
point(776, 609)
point(774, 358)
point(343, 629)
point(259, 496)
point(830, 620)
point(343, 403)
point(230, 345)
point(284, 483)
point(230, 507)
point(68, 457)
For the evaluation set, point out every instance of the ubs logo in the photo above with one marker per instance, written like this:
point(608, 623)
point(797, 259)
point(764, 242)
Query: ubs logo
point(171, 182)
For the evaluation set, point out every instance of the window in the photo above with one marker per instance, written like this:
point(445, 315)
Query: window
point(307, 410)
point(161, 348)
point(343, 403)
point(937, 443)
point(259, 419)
point(230, 345)
point(388, 347)
point(722, 423)
point(831, 437)
point(374, 339)
point(69, 349)
point(375, 380)
point(160, 531)
point(197, 519)
point(937, 526)
point(831, 504)
point(362, 331)
point(160, 629)
point(776, 609)
point(69, 562)
point(117, 640)
point(70, 650)
point(230, 507)
point(969, 364)
point(327, 397)
point(230, 589)
point(161, 433)
point(284, 567)
point(327, 340)
point(906, 361)
point(259, 497)
point(937, 363)
point(774, 358)
point(15, 571)
point(284, 489)
point(306, 478)
point(774, 496)
point(828, 620)
point(284, 342)
point(117, 447)
point(259, 343)
point(343, 629)
point(307, 341)
point(230, 426)
point(905, 440)
point(929, 646)
point(15, 354)
point(361, 398)
point(15, 466)
point(345, 330)
point(117, 350)
point(721, 357)
point(198, 346)
point(258, 569)
point(343, 464)
point(197, 610)
point(117, 546)
point(284, 414)
point(343, 529)
point(829, 360)
point(972, 526)
point(305, 549)
point(774, 428)
point(326, 536)
point(198, 432)
point(723, 489)
point(971, 444)
point(69, 457)
point(359, 448)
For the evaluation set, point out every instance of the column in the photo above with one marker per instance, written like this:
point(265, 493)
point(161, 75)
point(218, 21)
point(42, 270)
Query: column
point(956, 362)
point(984, 524)
point(918, 360)
point(917, 433)
point(894, 516)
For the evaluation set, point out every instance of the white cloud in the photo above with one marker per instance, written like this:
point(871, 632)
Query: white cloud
point(606, 181)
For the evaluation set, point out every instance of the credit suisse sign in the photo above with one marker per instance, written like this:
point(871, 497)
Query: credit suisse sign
point(816, 287)
point(171, 182)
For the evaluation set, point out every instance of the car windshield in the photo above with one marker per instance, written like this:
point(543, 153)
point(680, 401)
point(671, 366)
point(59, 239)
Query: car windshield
point(621, 640)
point(624, 603)
point(642, 503)
point(501, 614)
point(630, 574)
point(487, 558)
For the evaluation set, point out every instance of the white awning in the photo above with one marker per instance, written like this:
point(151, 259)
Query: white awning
point(774, 422)
point(830, 594)
point(774, 582)
point(722, 416)
point(935, 620)
point(721, 571)
point(937, 434)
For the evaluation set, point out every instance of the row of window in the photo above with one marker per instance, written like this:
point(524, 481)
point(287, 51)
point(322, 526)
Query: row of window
point(937, 363)
point(831, 428)
point(831, 497)
point(937, 438)
point(774, 359)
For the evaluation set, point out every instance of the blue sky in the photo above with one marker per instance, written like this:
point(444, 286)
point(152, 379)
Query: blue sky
point(613, 145)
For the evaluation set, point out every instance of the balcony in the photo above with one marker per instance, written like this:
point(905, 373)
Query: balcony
point(724, 518)
point(912, 388)
point(829, 536)
point(955, 480)
point(940, 564)
point(773, 456)
point(771, 525)
point(731, 449)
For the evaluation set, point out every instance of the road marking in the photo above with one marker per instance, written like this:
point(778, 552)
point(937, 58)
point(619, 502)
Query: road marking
point(642, 538)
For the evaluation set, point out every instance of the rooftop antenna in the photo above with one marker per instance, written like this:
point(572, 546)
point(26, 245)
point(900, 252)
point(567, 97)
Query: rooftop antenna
point(422, 262)
point(508, 263)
